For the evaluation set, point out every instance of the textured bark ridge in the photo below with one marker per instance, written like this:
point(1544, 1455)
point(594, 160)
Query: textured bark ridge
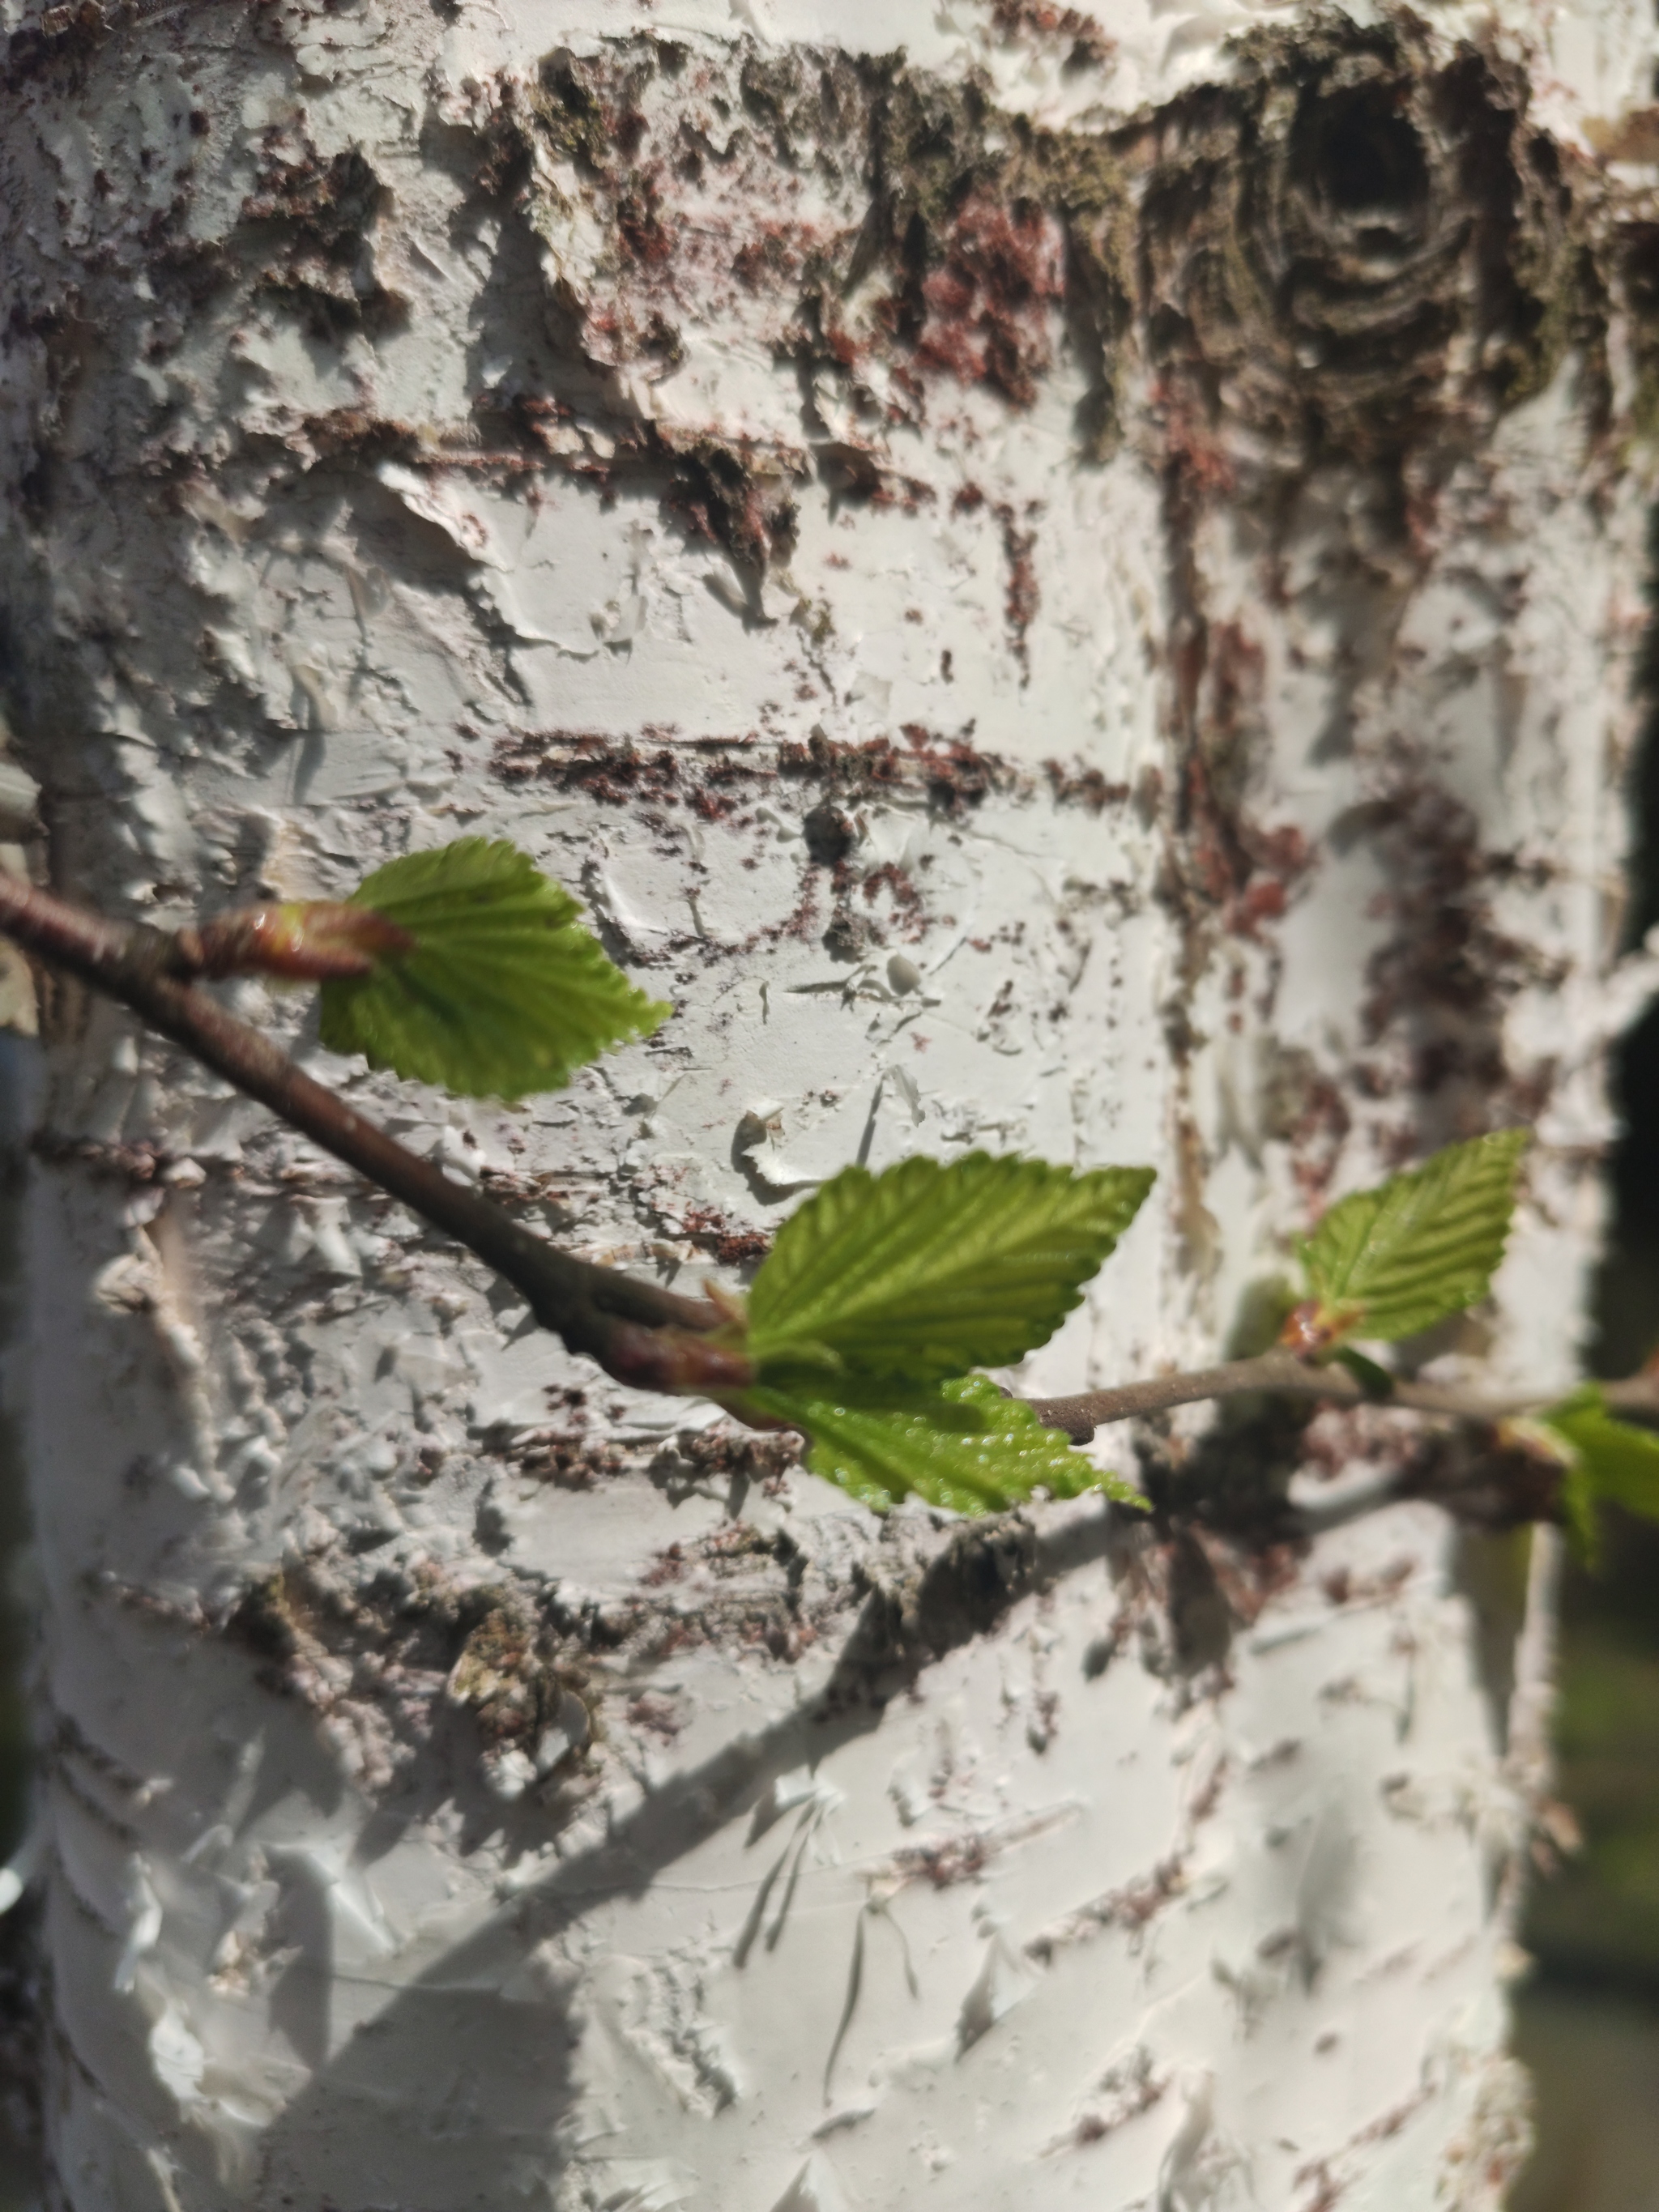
point(1054, 585)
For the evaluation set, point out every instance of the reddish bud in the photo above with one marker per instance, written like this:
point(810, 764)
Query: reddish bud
point(1311, 1329)
point(675, 1360)
point(306, 940)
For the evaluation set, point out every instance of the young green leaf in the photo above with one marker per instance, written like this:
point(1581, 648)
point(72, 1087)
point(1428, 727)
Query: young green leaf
point(1582, 1521)
point(503, 991)
point(1619, 1461)
point(1388, 1262)
point(960, 1444)
point(1376, 1382)
point(1536, 1437)
point(927, 1269)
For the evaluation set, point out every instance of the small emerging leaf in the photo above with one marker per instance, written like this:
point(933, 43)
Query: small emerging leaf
point(960, 1444)
point(929, 1269)
point(1264, 1307)
point(1584, 1522)
point(1389, 1262)
point(1618, 1460)
point(1376, 1382)
point(1533, 1436)
point(503, 991)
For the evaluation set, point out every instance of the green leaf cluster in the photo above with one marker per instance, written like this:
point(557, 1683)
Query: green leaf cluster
point(881, 1294)
point(1606, 1460)
point(883, 1290)
point(1389, 1262)
point(503, 990)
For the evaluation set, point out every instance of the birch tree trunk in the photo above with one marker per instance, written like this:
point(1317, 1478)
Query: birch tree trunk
point(1057, 584)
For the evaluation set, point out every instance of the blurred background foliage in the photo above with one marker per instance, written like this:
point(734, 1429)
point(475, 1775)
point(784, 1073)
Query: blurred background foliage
point(1588, 2019)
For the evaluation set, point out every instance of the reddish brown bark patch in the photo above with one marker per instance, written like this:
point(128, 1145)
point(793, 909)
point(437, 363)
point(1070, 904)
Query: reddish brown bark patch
point(988, 308)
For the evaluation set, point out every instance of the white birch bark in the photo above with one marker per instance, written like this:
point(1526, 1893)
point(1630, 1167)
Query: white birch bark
point(1070, 588)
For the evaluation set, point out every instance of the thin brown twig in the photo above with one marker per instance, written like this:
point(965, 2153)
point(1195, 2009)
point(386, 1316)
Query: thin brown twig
point(1283, 1372)
point(637, 1331)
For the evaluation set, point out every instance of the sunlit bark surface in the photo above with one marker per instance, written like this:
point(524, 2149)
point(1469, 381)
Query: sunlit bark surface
point(1056, 583)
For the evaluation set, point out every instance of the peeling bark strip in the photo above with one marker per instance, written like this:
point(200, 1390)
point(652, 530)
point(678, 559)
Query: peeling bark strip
point(1058, 586)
